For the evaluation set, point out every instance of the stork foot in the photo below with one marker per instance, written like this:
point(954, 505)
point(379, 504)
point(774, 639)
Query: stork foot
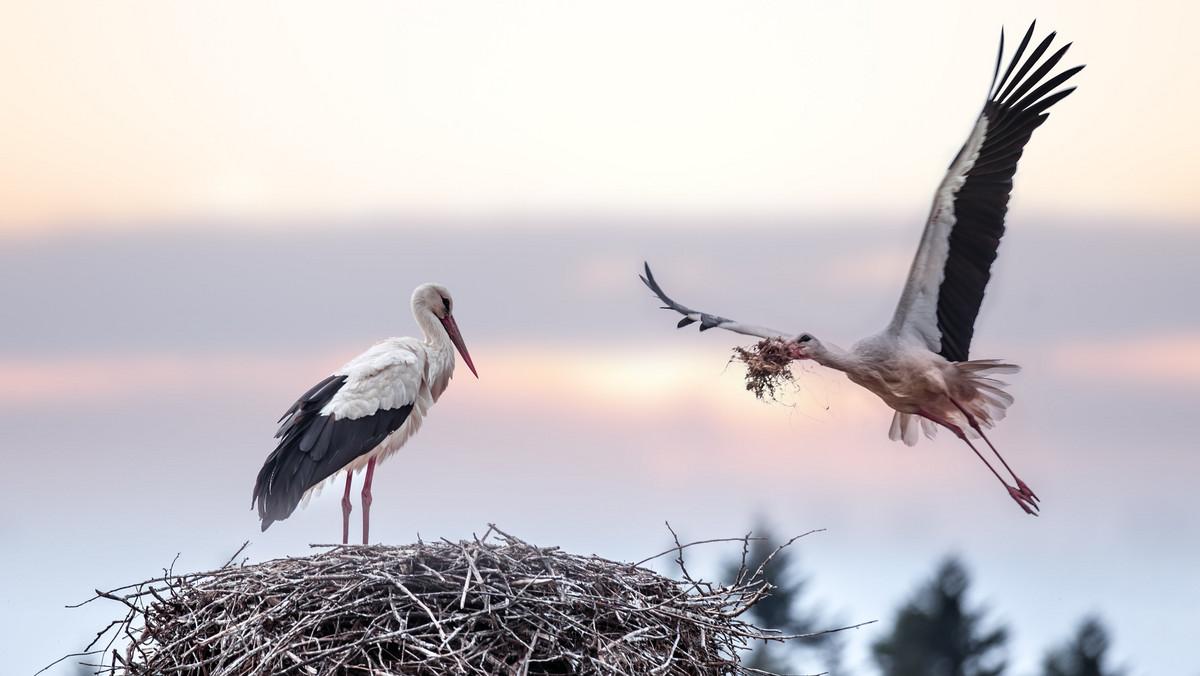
point(1024, 497)
point(1026, 491)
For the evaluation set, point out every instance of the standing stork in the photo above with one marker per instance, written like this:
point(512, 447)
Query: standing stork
point(362, 413)
point(919, 364)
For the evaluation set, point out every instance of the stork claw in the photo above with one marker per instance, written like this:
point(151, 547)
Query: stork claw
point(1025, 491)
point(1024, 497)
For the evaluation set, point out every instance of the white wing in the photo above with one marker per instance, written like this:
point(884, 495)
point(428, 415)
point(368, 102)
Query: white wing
point(707, 321)
point(952, 267)
point(387, 376)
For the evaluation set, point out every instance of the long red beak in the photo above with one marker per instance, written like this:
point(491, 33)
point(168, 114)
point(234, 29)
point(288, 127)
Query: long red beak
point(456, 338)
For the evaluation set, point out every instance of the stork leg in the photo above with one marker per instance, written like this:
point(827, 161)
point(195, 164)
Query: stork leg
point(346, 507)
point(1026, 504)
point(1025, 491)
point(366, 499)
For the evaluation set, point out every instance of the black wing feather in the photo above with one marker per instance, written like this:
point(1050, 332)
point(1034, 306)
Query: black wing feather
point(312, 434)
point(313, 447)
point(1013, 112)
point(1019, 81)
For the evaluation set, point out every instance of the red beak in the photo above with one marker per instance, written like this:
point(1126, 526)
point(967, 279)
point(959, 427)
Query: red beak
point(456, 338)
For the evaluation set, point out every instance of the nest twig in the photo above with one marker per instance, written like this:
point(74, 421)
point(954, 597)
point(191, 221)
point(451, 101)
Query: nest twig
point(768, 365)
point(496, 607)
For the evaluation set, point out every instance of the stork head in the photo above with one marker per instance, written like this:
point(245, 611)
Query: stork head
point(435, 299)
point(804, 345)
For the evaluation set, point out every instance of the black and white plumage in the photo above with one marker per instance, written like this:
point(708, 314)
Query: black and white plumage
point(362, 413)
point(919, 365)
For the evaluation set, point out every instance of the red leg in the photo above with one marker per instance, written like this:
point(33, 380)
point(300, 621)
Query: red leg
point(1026, 504)
point(366, 499)
point(975, 426)
point(346, 507)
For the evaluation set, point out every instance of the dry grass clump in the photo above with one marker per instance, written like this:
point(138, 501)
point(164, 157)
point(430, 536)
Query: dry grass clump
point(767, 366)
point(498, 606)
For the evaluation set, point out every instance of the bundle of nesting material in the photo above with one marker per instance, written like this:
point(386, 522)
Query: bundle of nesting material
point(768, 365)
point(486, 606)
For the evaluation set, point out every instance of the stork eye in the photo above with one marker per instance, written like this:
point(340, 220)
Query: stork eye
point(446, 303)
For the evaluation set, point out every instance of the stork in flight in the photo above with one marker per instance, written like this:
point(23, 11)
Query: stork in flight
point(362, 413)
point(919, 364)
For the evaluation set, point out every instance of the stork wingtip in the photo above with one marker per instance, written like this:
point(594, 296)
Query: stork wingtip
point(651, 283)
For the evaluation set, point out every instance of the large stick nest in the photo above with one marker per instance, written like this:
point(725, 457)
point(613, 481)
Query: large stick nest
point(498, 606)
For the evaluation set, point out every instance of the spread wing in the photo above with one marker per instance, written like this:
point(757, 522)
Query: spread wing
point(952, 267)
point(707, 321)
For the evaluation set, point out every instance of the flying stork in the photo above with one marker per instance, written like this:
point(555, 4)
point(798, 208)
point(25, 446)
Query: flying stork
point(362, 413)
point(919, 364)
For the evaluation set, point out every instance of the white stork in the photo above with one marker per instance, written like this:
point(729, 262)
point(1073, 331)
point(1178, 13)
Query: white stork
point(362, 413)
point(919, 364)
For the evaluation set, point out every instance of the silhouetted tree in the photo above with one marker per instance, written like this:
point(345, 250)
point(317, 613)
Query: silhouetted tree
point(785, 609)
point(1083, 655)
point(937, 635)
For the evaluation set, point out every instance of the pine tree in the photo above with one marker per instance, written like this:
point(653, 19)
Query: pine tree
point(935, 634)
point(1082, 656)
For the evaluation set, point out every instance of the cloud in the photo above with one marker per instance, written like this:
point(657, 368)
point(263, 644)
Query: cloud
point(1169, 358)
point(49, 382)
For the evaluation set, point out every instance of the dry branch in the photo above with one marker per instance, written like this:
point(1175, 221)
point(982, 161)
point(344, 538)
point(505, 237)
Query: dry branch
point(486, 606)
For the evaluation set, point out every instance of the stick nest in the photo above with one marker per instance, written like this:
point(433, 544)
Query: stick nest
point(432, 609)
point(768, 366)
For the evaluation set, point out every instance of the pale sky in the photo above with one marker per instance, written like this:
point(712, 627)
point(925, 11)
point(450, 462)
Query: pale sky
point(206, 208)
point(131, 112)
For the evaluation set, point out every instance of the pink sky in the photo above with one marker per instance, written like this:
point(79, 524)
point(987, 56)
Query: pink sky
point(143, 373)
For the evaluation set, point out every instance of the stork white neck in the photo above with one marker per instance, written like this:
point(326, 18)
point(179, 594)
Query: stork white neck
point(433, 308)
point(828, 354)
point(436, 335)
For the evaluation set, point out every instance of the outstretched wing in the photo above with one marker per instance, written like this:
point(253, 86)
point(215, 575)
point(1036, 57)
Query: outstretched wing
point(343, 417)
point(952, 267)
point(707, 321)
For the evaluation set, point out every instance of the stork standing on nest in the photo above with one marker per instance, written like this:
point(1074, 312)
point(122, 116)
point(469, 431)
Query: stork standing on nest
point(362, 413)
point(919, 364)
